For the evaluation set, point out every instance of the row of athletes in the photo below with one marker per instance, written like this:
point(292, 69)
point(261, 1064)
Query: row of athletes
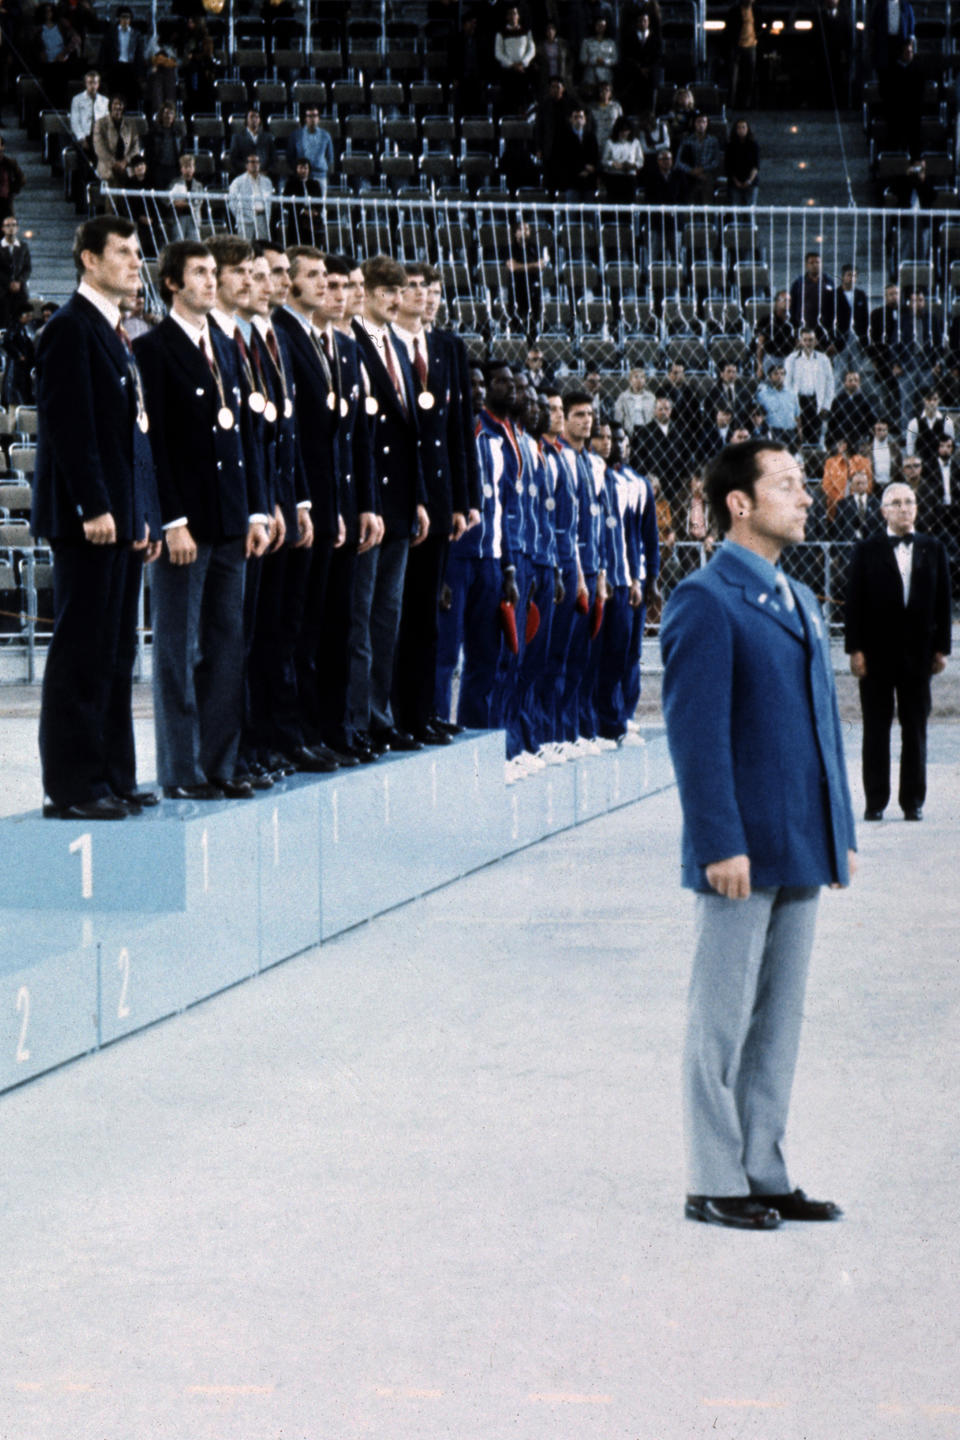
point(293, 445)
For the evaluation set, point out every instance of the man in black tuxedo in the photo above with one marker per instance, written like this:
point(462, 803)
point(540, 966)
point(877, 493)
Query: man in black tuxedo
point(398, 472)
point(211, 509)
point(897, 636)
point(95, 501)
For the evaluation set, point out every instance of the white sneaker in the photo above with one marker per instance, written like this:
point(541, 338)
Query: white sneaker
point(533, 762)
point(632, 738)
point(603, 743)
point(586, 746)
point(633, 726)
point(512, 772)
point(552, 754)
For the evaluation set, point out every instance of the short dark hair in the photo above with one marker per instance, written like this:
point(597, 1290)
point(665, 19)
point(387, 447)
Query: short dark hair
point(229, 250)
point(172, 262)
point(575, 397)
point(735, 468)
point(93, 235)
point(337, 264)
point(382, 270)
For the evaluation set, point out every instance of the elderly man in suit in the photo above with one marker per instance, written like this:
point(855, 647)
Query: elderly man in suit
point(897, 636)
point(95, 500)
point(754, 733)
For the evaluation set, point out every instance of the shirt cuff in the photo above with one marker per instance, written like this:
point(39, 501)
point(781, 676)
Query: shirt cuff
point(259, 520)
point(172, 524)
point(304, 504)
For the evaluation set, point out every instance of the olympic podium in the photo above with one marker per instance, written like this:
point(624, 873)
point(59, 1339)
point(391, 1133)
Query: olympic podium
point(107, 928)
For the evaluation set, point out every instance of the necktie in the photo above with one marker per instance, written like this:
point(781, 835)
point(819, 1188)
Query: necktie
point(325, 341)
point(241, 346)
point(120, 146)
point(419, 362)
point(124, 338)
point(783, 585)
point(896, 540)
point(392, 372)
point(273, 348)
point(205, 352)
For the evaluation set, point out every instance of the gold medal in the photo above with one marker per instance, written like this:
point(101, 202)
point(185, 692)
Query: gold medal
point(225, 418)
point(287, 408)
point(426, 400)
point(256, 402)
point(370, 405)
point(269, 412)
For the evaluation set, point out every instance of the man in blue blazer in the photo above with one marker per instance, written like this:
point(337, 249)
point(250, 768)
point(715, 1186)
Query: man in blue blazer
point(95, 501)
point(754, 734)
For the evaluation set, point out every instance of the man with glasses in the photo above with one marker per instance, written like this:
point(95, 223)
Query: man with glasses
point(309, 142)
point(897, 636)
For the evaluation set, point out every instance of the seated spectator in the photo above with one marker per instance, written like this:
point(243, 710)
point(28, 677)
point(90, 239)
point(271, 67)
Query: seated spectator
point(757, 427)
point(599, 54)
point(665, 184)
point(163, 66)
point(774, 338)
point(524, 264)
point(622, 163)
point(810, 374)
point(253, 140)
point(742, 165)
point(698, 160)
point(537, 371)
point(654, 135)
point(913, 190)
point(633, 407)
point(858, 512)
point(136, 321)
point(641, 67)
point(575, 160)
point(305, 220)
point(14, 271)
point(781, 406)
point(681, 117)
point(161, 147)
point(312, 143)
point(187, 196)
point(742, 36)
point(122, 58)
point(851, 414)
point(911, 472)
point(514, 51)
point(115, 141)
point(604, 114)
point(250, 200)
point(553, 58)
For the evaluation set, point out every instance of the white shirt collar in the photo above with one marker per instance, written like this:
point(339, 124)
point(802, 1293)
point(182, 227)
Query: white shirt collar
point(109, 311)
point(227, 323)
point(190, 330)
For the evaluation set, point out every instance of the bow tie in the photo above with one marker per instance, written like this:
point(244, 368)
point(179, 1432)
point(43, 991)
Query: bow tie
point(896, 540)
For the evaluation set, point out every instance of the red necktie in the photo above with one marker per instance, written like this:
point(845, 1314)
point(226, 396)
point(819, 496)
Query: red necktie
point(238, 337)
point(392, 372)
point(273, 348)
point(206, 353)
point(419, 362)
point(124, 338)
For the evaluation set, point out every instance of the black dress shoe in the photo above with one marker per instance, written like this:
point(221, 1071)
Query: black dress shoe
point(313, 760)
point(140, 799)
point(430, 735)
point(237, 789)
point(913, 814)
point(363, 752)
point(108, 807)
point(343, 754)
point(739, 1212)
point(192, 792)
point(259, 779)
point(279, 765)
point(375, 743)
point(450, 727)
point(395, 740)
point(873, 814)
point(800, 1207)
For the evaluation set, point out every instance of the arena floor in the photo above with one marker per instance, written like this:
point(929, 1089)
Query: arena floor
point(425, 1183)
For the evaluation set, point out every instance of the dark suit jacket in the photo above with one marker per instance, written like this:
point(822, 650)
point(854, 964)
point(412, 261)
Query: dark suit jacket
point(317, 424)
point(287, 483)
point(441, 435)
point(201, 468)
point(397, 468)
point(896, 637)
point(91, 455)
point(353, 437)
point(110, 49)
point(848, 524)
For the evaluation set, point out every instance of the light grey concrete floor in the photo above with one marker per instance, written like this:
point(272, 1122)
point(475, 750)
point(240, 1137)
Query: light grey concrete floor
point(425, 1183)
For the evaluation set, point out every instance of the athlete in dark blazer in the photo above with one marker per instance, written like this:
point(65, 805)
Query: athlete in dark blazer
point(895, 645)
point(95, 501)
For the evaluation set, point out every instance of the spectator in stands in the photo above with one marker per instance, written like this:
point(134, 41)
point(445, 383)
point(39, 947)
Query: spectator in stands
point(312, 143)
point(11, 181)
point(774, 337)
point(252, 140)
point(306, 219)
point(888, 347)
point(913, 190)
point(633, 407)
point(884, 455)
point(161, 147)
point(858, 512)
point(641, 67)
point(553, 114)
point(122, 58)
point(681, 117)
point(665, 184)
point(717, 432)
point(838, 468)
point(834, 24)
point(938, 501)
point(852, 328)
point(593, 386)
point(741, 161)
point(890, 24)
point(742, 37)
point(599, 54)
point(514, 52)
point(58, 55)
point(901, 89)
point(815, 300)
point(537, 372)
point(664, 450)
point(810, 374)
point(250, 201)
point(467, 68)
point(115, 140)
point(163, 66)
point(654, 134)
point(683, 398)
point(187, 196)
point(926, 430)
point(698, 160)
point(136, 321)
point(622, 163)
point(14, 271)
point(576, 162)
point(139, 208)
point(851, 414)
point(524, 264)
point(604, 114)
point(919, 350)
point(781, 406)
point(21, 361)
point(553, 58)
point(86, 109)
point(200, 73)
point(730, 390)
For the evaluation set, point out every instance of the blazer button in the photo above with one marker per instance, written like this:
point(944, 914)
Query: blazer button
point(219, 464)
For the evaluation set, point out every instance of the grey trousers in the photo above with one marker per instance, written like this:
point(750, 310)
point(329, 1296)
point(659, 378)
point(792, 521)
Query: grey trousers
point(744, 1012)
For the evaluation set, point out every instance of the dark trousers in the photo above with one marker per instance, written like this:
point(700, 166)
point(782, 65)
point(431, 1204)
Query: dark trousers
point(575, 681)
point(274, 709)
point(309, 575)
point(912, 695)
point(481, 643)
point(505, 707)
point(459, 574)
point(415, 671)
point(375, 622)
point(331, 664)
point(531, 717)
point(86, 725)
point(198, 651)
point(553, 681)
point(631, 679)
point(614, 643)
